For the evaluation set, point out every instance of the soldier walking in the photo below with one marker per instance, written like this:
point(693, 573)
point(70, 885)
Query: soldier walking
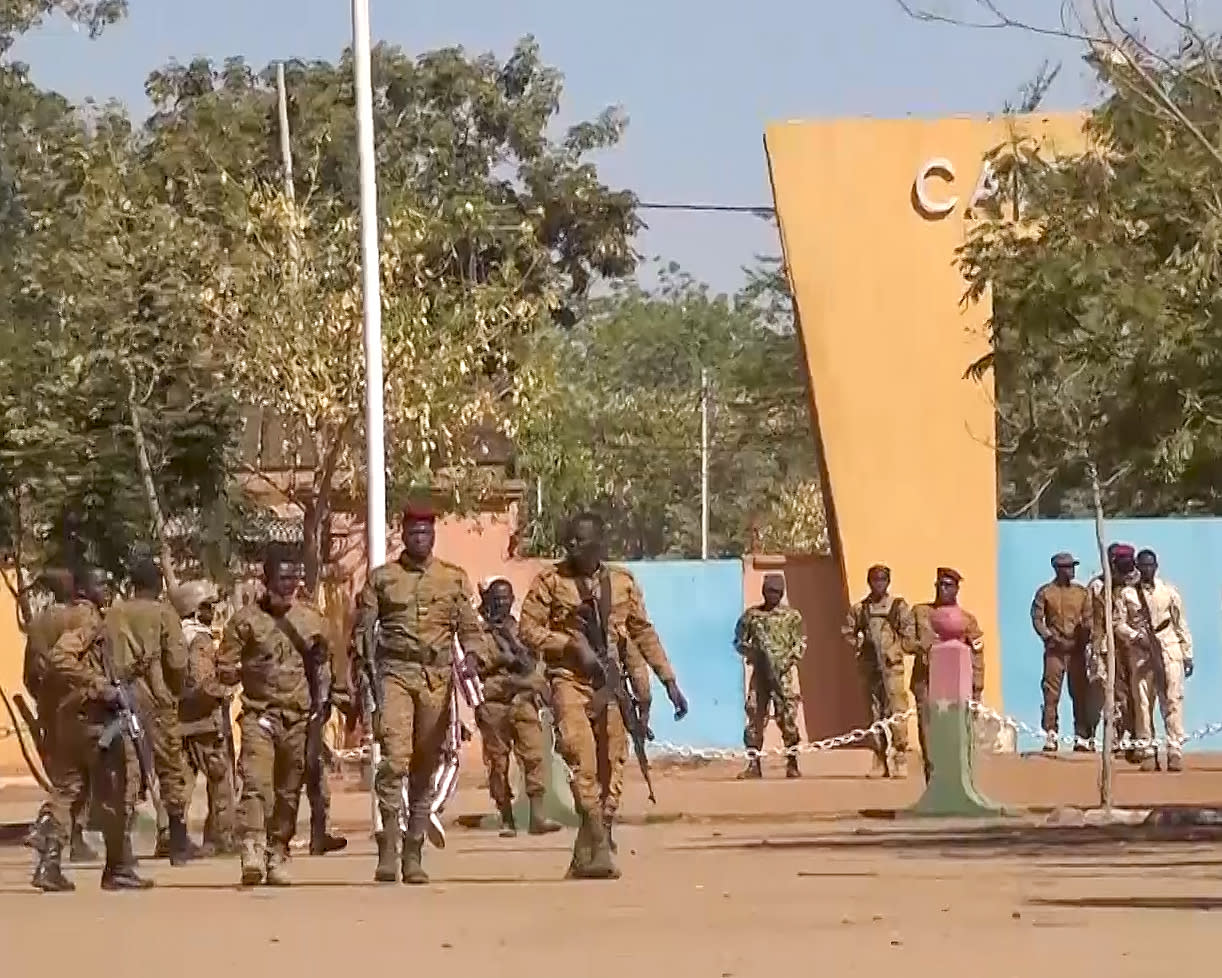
point(318, 785)
point(946, 592)
point(881, 628)
point(509, 719)
point(419, 604)
point(204, 716)
point(1060, 615)
point(277, 649)
point(145, 629)
point(1121, 557)
point(769, 637)
point(594, 747)
point(89, 674)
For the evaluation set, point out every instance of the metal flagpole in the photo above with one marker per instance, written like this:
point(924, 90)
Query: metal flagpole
point(375, 448)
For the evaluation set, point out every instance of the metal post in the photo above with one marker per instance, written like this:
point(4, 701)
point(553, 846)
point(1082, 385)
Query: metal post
point(375, 448)
point(704, 465)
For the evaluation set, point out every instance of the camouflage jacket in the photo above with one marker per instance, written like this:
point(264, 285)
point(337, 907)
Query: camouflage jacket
point(502, 680)
point(149, 648)
point(776, 635)
point(43, 632)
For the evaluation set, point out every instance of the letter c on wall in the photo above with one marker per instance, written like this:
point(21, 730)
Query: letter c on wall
point(925, 203)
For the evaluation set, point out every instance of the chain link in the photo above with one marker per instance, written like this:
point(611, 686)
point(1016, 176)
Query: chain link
point(1092, 743)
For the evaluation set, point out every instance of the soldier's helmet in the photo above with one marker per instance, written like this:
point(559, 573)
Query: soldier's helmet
point(186, 598)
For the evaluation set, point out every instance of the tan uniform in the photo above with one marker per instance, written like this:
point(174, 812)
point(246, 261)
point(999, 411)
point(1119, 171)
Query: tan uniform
point(318, 787)
point(203, 737)
point(595, 749)
point(419, 609)
point(262, 654)
point(147, 635)
point(509, 722)
point(926, 638)
point(1157, 629)
point(1060, 615)
point(640, 679)
point(880, 633)
point(76, 663)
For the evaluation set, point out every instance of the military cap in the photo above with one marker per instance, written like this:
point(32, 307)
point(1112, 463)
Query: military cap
point(1122, 551)
point(879, 567)
point(949, 574)
point(774, 578)
point(420, 511)
point(1064, 559)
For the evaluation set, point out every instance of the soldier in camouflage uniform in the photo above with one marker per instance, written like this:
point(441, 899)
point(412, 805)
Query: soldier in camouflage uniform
point(770, 639)
point(881, 629)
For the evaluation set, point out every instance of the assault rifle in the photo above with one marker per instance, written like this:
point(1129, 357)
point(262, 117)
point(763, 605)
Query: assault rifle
point(127, 724)
point(614, 685)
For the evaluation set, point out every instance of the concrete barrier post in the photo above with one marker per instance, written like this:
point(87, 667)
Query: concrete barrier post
point(949, 737)
point(557, 795)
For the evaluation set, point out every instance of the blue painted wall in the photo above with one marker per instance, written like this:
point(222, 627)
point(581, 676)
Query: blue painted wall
point(694, 606)
point(1189, 555)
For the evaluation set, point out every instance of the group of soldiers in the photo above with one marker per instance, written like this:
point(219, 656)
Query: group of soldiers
point(1152, 649)
point(134, 695)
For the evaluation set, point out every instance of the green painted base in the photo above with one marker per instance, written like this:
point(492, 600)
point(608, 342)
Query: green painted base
point(557, 796)
point(951, 791)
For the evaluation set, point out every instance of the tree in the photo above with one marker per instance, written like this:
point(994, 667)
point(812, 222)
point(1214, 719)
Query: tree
point(616, 425)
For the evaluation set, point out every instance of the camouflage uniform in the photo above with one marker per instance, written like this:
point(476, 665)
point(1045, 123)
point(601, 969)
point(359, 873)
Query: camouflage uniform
point(595, 748)
point(77, 663)
point(148, 632)
point(318, 785)
point(881, 632)
point(772, 644)
point(204, 740)
point(261, 652)
point(420, 609)
point(509, 721)
point(926, 638)
point(1123, 712)
point(48, 692)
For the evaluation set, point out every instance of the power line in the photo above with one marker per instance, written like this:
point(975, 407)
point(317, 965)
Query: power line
point(707, 208)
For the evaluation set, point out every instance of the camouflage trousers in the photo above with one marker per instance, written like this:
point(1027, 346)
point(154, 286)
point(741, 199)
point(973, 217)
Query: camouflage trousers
point(113, 773)
point(760, 698)
point(272, 767)
point(169, 761)
point(888, 696)
point(414, 723)
point(206, 755)
point(594, 748)
point(507, 728)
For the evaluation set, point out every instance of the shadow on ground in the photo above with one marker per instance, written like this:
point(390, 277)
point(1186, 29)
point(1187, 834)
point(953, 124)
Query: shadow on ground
point(1133, 903)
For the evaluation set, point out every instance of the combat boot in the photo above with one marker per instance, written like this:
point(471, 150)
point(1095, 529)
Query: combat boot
point(49, 874)
point(322, 841)
point(1175, 763)
point(181, 850)
point(899, 767)
point(752, 771)
point(602, 863)
point(1149, 763)
point(388, 850)
point(413, 871)
point(162, 849)
point(878, 767)
point(119, 873)
point(540, 824)
point(580, 862)
point(791, 767)
point(509, 826)
point(278, 868)
point(252, 862)
point(608, 826)
point(80, 851)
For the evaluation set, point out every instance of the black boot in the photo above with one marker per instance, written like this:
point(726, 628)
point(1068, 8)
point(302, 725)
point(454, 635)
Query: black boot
point(49, 874)
point(181, 850)
point(119, 873)
point(321, 841)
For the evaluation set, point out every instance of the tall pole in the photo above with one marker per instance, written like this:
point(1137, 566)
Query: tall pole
point(704, 464)
point(375, 448)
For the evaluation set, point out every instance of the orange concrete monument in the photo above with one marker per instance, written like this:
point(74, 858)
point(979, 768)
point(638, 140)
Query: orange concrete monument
point(871, 212)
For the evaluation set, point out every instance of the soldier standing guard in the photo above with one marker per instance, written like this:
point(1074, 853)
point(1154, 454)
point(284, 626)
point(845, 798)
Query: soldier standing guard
point(881, 628)
point(594, 747)
point(420, 604)
point(509, 719)
point(769, 638)
point(273, 647)
point(946, 592)
point(1060, 615)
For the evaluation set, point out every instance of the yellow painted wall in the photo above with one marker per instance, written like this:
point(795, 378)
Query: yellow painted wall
point(12, 649)
point(906, 443)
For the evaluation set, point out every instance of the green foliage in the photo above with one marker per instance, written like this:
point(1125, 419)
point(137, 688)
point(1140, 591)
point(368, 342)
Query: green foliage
point(616, 425)
point(1107, 301)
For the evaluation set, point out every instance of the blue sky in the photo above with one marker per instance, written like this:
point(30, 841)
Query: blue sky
point(699, 80)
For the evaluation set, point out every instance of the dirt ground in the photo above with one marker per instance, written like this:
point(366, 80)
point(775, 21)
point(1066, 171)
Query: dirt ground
point(727, 880)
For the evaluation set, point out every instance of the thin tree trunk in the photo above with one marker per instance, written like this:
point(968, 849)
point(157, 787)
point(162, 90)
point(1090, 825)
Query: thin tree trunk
point(1109, 638)
point(19, 590)
point(150, 486)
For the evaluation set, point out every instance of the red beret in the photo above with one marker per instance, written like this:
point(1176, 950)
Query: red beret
point(949, 574)
point(420, 512)
point(1121, 551)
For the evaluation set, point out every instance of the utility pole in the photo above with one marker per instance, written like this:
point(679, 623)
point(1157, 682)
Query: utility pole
point(704, 464)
